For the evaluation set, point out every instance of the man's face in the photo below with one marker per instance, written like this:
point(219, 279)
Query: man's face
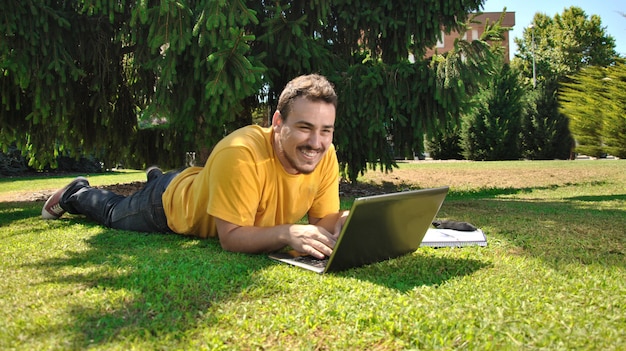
point(302, 140)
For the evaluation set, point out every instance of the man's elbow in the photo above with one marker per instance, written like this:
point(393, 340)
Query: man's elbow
point(231, 244)
point(227, 244)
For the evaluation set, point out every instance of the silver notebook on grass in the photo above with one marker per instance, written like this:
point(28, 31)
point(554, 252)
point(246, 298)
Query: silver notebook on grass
point(378, 228)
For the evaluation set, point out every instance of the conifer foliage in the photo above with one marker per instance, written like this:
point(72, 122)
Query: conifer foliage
point(493, 127)
point(545, 130)
point(550, 51)
point(87, 77)
point(595, 101)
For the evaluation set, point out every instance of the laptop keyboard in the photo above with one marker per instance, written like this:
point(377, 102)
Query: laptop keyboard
point(312, 261)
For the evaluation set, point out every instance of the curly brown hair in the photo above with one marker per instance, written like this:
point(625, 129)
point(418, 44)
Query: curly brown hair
point(314, 87)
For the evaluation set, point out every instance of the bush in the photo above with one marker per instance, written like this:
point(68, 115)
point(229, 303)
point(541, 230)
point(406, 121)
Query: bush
point(84, 164)
point(492, 129)
point(545, 131)
point(445, 144)
point(12, 163)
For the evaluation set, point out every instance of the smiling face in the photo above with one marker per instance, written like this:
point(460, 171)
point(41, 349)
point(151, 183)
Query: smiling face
point(302, 139)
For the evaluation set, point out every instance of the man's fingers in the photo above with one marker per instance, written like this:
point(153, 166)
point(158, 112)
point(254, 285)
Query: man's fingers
point(317, 250)
point(320, 245)
point(314, 241)
point(317, 253)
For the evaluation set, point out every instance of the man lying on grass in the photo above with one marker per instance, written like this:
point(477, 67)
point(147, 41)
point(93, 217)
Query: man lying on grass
point(255, 185)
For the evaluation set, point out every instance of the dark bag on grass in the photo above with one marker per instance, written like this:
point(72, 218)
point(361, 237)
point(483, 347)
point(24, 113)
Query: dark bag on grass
point(455, 225)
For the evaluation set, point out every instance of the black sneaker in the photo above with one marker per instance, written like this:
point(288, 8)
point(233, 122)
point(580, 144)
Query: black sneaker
point(52, 208)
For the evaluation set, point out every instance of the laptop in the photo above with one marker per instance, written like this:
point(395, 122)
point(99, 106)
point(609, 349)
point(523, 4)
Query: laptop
point(378, 228)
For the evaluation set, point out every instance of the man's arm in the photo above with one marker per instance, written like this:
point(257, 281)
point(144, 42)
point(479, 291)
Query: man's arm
point(314, 239)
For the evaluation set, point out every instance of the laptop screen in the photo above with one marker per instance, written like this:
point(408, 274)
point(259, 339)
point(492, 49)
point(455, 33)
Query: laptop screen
point(385, 226)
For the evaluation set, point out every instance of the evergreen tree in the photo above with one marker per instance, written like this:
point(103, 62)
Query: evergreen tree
point(492, 129)
point(445, 143)
point(445, 138)
point(563, 44)
point(614, 126)
point(77, 76)
point(594, 101)
point(582, 99)
point(547, 130)
point(557, 48)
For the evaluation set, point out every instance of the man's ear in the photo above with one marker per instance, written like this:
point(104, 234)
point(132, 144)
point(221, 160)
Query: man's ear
point(277, 119)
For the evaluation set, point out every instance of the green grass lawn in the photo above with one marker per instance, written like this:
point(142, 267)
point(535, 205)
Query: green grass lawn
point(553, 276)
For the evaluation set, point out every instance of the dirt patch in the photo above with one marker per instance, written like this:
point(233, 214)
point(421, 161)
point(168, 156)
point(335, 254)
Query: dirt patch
point(43, 195)
point(502, 178)
point(376, 182)
point(345, 190)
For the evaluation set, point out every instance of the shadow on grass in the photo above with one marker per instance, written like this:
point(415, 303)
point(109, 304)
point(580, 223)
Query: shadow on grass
point(17, 211)
point(154, 284)
point(133, 285)
point(486, 193)
point(419, 269)
point(598, 198)
point(147, 285)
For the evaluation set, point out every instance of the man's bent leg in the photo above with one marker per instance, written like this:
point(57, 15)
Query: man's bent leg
point(141, 211)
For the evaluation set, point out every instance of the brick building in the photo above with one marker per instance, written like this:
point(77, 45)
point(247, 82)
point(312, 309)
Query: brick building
point(476, 30)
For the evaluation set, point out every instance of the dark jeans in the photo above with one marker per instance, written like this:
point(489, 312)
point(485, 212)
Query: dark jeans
point(141, 211)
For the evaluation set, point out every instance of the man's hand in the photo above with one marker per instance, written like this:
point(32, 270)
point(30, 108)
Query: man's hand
point(329, 226)
point(311, 240)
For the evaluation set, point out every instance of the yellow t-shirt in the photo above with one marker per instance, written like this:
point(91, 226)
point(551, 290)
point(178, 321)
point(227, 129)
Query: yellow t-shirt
point(244, 183)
